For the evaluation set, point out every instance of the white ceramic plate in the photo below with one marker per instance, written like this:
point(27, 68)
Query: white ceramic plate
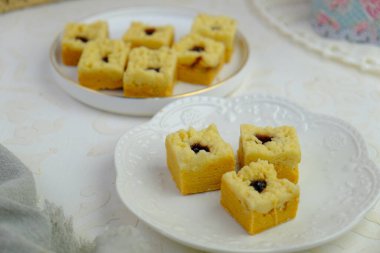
point(337, 180)
point(226, 82)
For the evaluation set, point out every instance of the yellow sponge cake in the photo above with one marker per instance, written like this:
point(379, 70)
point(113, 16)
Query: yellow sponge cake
point(277, 145)
point(102, 64)
point(257, 199)
point(198, 159)
point(150, 73)
point(76, 36)
point(199, 59)
point(153, 37)
point(219, 28)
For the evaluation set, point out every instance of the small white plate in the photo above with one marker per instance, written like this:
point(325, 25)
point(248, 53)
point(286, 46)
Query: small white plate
point(338, 182)
point(229, 79)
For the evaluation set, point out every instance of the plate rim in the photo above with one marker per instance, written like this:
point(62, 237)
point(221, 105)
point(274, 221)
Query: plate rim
point(304, 246)
point(239, 36)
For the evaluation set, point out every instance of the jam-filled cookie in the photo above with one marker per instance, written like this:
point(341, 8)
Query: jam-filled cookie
point(150, 73)
point(154, 37)
point(219, 28)
point(102, 64)
point(199, 59)
point(198, 159)
point(277, 145)
point(257, 199)
point(76, 36)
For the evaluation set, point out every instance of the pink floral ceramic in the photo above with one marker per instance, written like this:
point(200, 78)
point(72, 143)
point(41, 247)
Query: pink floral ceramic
point(352, 20)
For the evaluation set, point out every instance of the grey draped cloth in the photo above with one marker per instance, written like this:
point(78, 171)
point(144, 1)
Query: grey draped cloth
point(24, 227)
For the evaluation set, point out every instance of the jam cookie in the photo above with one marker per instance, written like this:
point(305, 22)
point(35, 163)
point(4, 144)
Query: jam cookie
point(154, 37)
point(198, 159)
point(219, 28)
point(102, 64)
point(76, 36)
point(199, 59)
point(277, 145)
point(257, 199)
point(150, 73)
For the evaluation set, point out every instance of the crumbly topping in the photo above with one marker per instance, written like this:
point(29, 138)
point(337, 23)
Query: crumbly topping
point(182, 141)
point(220, 28)
point(276, 194)
point(151, 66)
point(195, 50)
point(104, 53)
point(283, 142)
point(78, 34)
point(141, 31)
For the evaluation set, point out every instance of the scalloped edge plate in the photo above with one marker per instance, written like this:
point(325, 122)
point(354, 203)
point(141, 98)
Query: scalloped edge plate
point(338, 182)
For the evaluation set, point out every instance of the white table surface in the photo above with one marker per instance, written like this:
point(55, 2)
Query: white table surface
point(69, 146)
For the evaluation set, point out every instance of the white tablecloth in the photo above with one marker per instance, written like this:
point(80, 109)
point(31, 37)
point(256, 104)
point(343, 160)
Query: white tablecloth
point(69, 146)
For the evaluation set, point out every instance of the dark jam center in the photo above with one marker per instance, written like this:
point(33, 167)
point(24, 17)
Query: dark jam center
point(150, 31)
point(83, 39)
point(196, 62)
point(264, 138)
point(154, 69)
point(259, 185)
point(105, 59)
point(198, 49)
point(198, 147)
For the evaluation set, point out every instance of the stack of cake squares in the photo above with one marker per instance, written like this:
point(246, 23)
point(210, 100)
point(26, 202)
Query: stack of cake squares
point(262, 193)
point(146, 62)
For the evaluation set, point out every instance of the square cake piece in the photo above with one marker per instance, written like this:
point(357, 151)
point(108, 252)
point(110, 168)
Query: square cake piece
point(199, 59)
point(150, 73)
point(277, 145)
point(154, 37)
point(198, 159)
point(76, 36)
point(102, 64)
point(219, 28)
point(257, 199)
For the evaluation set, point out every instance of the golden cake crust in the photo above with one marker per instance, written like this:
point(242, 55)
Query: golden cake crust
point(258, 211)
point(150, 73)
point(102, 64)
point(278, 145)
point(77, 35)
point(199, 59)
point(198, 172)
point(153, 37)
point(219, 28)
